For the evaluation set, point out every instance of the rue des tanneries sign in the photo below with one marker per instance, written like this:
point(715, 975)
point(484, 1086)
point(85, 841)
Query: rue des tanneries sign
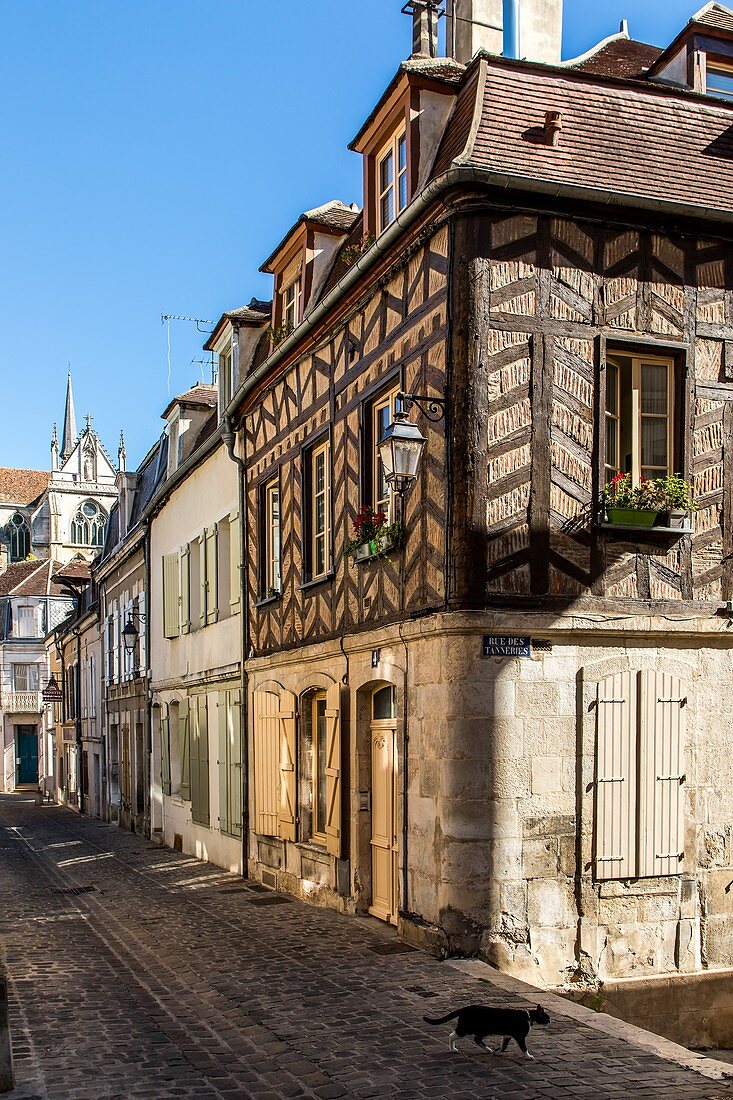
point(506, 645)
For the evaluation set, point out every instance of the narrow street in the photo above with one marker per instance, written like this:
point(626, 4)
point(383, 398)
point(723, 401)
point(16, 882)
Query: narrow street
point(138, 972)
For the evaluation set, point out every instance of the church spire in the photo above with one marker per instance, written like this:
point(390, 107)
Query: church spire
point(69, 437)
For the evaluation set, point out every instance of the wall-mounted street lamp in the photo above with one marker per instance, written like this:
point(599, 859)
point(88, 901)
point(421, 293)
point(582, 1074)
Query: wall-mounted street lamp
point(130, 632)
point(402, 445)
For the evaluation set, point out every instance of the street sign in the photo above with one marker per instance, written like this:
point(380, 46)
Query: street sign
point(507, 645)
point(52, 693)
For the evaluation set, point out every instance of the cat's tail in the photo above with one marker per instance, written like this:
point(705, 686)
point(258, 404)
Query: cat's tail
point(443, 1019)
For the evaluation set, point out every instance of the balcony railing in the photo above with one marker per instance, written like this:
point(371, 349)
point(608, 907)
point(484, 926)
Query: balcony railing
point(22, 702)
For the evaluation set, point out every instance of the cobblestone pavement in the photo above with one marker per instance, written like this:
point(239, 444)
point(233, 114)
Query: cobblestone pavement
point(139, 972)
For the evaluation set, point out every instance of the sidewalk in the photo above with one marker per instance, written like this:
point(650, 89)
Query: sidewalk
point(139, 972)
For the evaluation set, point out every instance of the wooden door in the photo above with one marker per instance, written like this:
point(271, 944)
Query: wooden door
point(27, 755)
point(385, 849)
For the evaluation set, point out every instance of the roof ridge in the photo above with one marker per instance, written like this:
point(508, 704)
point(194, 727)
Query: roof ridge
point(619, 35)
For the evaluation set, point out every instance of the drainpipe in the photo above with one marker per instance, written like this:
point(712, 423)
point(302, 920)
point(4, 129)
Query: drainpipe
point(148, 728)
point(228, 438)
point(79, 748)
point(511, 28)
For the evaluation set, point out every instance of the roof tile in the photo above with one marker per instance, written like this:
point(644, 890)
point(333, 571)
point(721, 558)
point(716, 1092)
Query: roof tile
point(22, 486)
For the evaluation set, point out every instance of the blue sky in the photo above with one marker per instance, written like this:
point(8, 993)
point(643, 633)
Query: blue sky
point(153, 153)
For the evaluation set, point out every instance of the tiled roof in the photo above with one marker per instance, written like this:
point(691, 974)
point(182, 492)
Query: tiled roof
point(202, 395)
point(18, 572)
point(638, 142)
point(715, 15)
point(618, 56)
point(38, 583)
point(334, 215)
point(75, 570)
point(22, 486)
point(256, 312)
point(150, 474)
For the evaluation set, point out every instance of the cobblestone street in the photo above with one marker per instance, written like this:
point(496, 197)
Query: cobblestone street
point(138, 972)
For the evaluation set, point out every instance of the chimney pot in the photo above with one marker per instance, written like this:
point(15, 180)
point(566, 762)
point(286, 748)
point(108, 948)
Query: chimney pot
point(552, 127)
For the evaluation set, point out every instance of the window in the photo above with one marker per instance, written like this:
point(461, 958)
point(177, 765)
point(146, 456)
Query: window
point(382, 411)
point(291, 304)
point(230, 763)
point(25, 677)
point(199, 750)
point(88, 525)
point(92, 692)
point(319, 510)
point(719, 80)
point(392, 180)
point(223, 568)
point(270, 539)
point(26, 621)
point(639, 416)
point(19, 538)
point(318, 730)
point(640, 775)
point(226, 388)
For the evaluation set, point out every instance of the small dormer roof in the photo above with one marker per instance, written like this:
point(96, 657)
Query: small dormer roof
point(430, 71)
point(711, 18)
point(333, 217)
point(202, 395)
point(714, 15)
point(256, 313)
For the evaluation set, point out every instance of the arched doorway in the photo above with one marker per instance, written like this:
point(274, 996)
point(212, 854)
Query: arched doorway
point(384, 845)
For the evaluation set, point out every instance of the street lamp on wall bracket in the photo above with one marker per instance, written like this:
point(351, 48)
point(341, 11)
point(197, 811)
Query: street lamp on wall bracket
point(130, 632)
point(401, 447)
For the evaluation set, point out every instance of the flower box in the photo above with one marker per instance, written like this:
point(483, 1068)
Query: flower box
point(361, 553)
point(632, 517)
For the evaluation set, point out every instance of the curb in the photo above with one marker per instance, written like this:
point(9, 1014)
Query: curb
point(598, 1021)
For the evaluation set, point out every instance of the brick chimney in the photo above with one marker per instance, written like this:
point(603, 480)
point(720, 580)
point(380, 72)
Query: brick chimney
point(480, 25)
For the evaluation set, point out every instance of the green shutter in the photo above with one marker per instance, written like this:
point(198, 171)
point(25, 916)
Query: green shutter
point(185, 591)
point(235, 555)
point(234, 730)
point(202, 579)
point(212, 581)
point(165, 750)
point(184, 736)
point(222, 712)
point(200, 763)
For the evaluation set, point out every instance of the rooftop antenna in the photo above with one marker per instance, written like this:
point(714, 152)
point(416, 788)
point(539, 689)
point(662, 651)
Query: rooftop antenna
point(166, 318)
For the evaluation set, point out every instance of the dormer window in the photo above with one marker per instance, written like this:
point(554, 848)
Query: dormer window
point(291, 304)
point(226, 387)
point(392, 176)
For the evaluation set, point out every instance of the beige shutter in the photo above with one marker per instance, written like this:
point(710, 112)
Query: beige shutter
point(202, 579)
point(662, 774)
point(266, 707)
point(287, 786)
point(165, 749)
point(142, 641)
point(333, 769)
point(170, 596)
point(235, 555)
point(185, 590)
point(616, 777)
point(116, 677)
point(184, 735)
point(212, 582)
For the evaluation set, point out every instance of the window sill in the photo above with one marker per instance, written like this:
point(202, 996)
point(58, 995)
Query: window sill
point(313, 847)
point(643, 532)
point(266, 601)
point(308, 585)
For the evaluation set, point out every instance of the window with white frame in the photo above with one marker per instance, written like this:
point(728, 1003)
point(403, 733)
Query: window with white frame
point(719, 80)
point(318, 764)
point(392, 189)
point(25, 677)
point(226, 388)
point(382, 411)
point(270, 538)
point(639, 416)
point(319, 510)
point(291, 304)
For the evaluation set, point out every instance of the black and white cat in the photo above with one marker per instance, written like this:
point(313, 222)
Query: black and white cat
point(480, 1021)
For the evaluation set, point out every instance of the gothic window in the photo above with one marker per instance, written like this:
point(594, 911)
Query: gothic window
point(19, 538)
point(88, 525)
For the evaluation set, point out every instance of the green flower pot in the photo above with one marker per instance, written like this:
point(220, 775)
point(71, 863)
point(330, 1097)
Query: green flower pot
point(632, 517)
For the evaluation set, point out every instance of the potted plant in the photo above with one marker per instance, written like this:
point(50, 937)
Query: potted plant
point(677, 500)
point(372, 534)
point(630, 505)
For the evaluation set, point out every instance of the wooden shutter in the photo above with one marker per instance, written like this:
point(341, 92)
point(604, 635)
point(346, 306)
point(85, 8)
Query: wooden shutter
point(235, 555)
point(200, 762)
point(212, 581)
point(230, 763)
point(185, 590)
point(116, 647)
point(616, 777)
point(266, 761)
point(143, 636)
point(333, 769)
point(202, 579)
point(287, 787)
point(184, 740)
point(165, 750)
point(170, 596)
point(661, 774)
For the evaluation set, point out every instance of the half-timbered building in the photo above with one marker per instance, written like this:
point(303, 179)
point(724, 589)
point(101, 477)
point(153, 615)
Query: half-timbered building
point(506, 734)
